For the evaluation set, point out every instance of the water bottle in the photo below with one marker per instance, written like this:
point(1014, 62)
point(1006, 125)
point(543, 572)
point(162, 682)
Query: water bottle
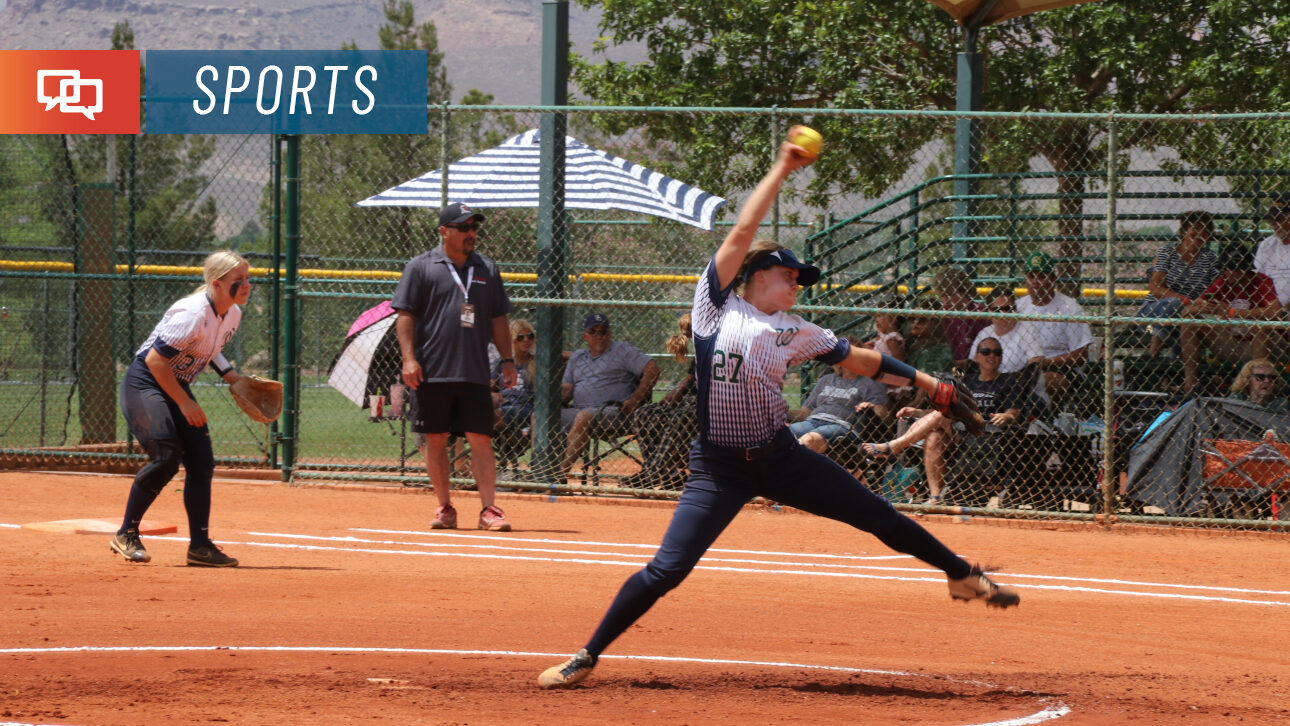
point(1117, 374)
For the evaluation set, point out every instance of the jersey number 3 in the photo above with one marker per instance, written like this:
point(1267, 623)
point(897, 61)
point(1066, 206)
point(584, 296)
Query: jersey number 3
point(725, 366)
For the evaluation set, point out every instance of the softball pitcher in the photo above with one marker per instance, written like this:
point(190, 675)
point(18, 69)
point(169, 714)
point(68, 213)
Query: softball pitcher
point(163, 415)
point(745, 340)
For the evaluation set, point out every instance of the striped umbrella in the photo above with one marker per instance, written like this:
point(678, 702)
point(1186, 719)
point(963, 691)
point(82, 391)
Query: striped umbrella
point(507, 176)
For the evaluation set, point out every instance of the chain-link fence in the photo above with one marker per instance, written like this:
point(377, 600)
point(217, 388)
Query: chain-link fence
point(1059, 280)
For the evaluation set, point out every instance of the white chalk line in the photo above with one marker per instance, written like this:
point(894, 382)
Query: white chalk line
point(1051, 711)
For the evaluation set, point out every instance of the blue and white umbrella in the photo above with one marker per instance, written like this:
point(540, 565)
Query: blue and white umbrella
point(507, 176)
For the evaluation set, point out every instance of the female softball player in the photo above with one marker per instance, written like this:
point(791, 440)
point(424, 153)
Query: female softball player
point(745, 340)
point(163, 415)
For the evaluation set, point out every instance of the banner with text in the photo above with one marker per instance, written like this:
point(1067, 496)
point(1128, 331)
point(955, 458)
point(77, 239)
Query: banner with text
point(70, 91)
point(286, 92)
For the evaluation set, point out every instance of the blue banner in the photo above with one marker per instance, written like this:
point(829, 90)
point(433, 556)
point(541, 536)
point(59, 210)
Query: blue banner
point(286, 92)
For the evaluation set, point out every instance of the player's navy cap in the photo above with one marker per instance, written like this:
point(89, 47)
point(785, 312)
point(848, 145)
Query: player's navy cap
point(456, 214)
point(807, 274)
point(595, 319)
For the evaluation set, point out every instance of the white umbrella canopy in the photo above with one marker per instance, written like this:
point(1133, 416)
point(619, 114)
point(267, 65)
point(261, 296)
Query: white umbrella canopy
point(507, 176)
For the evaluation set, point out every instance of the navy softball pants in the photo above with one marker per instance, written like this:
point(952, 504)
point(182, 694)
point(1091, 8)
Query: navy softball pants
point(722, 482)
point(163, 432)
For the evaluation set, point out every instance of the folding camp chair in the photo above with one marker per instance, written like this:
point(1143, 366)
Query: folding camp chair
point(608, 441)
point(1247, 475)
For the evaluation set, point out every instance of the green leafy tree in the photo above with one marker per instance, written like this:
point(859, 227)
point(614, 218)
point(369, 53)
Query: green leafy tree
point(339, 170)
point(1140, 56)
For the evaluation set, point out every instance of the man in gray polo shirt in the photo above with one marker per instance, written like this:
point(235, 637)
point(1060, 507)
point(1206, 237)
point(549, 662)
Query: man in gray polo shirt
point(606, 370)
point(451, 303)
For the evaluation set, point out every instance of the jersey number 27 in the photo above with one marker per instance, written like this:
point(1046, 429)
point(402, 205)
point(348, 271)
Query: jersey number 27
point(725, 366)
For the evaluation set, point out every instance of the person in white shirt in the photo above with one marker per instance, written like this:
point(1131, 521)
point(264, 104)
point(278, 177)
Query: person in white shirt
point(1064, 345)
point(1272, 258)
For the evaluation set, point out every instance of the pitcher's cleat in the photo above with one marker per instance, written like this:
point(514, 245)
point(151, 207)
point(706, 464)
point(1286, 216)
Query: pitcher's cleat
point(209, 555)
point(128, 545)
point(569, 672)
point(976, 586)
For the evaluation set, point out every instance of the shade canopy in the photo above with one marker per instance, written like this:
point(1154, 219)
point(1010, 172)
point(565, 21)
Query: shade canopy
point(507, 176)
point(965, 10)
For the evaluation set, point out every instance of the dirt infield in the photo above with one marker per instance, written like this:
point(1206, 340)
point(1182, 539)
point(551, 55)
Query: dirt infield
point(348, 609)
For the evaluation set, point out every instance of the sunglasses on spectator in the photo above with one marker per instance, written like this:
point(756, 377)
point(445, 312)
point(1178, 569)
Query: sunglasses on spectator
point(1263, 376)
point(469, 227)
point(526, 336)
point(598, 332)
point(990, 351)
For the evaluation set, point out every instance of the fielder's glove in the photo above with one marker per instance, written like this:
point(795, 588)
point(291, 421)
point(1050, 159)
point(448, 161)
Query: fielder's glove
point(955, 402)
point(260, 398)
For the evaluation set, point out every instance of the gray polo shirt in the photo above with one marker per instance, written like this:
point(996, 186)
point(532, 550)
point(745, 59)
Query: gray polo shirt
point(448, 352)
point(611, 376)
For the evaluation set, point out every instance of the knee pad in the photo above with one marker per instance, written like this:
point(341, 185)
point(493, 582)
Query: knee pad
point(164, 459)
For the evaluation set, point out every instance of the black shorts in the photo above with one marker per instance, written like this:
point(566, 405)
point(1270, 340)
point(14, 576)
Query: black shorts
point(455, 408)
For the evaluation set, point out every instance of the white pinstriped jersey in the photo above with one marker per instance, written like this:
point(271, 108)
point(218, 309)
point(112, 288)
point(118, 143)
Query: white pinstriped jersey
point(190, 335)
point(741, 356)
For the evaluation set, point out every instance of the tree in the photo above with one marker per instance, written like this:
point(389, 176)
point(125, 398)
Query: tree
point(338, 171)
point(1141, 56)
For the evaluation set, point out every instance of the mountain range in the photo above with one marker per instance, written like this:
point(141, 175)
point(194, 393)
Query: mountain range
point(492, 45)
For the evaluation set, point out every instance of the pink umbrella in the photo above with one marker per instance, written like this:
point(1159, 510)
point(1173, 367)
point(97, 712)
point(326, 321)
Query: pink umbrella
point(368, 363)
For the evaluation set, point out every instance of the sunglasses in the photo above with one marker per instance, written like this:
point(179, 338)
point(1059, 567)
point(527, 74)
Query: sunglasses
point(471, 227)
point(1263, 376)
point(597, 332)
point(526, 336)
point(990, 351)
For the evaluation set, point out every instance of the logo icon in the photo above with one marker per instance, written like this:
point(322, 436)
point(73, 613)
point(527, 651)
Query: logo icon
point(71, 95)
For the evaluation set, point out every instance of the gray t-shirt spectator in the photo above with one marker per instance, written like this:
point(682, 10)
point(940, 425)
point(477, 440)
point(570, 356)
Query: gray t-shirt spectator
point(447, 351)
point(835, 398)
point(612, 376)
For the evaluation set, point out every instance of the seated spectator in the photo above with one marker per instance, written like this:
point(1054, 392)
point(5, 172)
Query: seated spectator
point(1178, 276)
point(888, 341)
point(957, 293)
point(997, 396)
point(666, 429)
point(513, 407)
point(1020, 339)
point(1259, 383)
point(1064, 346)
point(927, 349)
point(1239, 293)
point(604, 383)
point(1272, 258)
point(840, 406)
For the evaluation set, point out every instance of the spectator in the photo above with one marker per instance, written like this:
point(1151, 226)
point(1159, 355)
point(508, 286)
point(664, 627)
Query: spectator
point(1239, 293)
point(513, 406)
point(1019, 338)
point(927, 350)
point(666, 429)
point(1179, 275)
point(1259, 383)
point(605, 382)
point(451, 302)
point(957, 293)
point(889, 341)
point(840, 405)
point(997, 396)
point(1064, 346)
point(1273, 255)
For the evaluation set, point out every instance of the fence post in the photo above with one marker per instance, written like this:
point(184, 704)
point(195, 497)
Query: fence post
point(98, 372)
point(291, 312)
point(1110, 477)
point(275, 287)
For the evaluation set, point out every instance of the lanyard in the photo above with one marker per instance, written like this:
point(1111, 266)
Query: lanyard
point(470, 275)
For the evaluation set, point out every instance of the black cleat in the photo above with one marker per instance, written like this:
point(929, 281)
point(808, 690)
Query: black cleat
point(209, 555)
point(976, 586)
point(128, 545)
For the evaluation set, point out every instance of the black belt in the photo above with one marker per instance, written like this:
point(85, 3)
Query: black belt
point(782, 438)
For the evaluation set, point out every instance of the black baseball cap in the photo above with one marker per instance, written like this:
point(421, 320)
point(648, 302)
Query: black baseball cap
point(807, 275)
point(595, 319)
point(456, 214)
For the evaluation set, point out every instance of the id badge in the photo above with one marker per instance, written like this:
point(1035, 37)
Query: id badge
point(467, 315)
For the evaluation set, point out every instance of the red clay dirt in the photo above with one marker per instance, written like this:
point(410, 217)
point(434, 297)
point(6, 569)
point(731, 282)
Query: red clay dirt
point(327, 622)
